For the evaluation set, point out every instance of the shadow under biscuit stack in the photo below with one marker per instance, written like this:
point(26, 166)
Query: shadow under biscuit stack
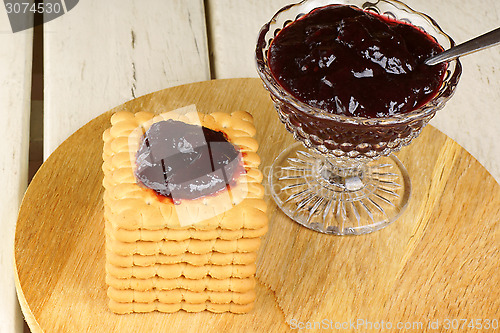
point(155, 260)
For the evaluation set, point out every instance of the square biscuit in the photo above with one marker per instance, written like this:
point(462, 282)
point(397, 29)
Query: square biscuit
point(129, 236)
point(192, 255)
point(172, 271)
point(194, 246)
point(131, 206)
point(199, 285)
point(131, 307)
point(180, 295)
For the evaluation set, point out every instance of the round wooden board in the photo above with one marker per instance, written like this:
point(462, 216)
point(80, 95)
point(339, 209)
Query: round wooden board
point(438, 261)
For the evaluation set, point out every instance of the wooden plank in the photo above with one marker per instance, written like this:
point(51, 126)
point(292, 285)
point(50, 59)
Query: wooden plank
point(103, 53)
point(438, 260)
point(233, 27)
point(15, 90)
point(471, 118)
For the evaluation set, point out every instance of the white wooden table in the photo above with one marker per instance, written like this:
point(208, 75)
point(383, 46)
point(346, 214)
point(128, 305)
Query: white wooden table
point(15, 89)
point(103, 53)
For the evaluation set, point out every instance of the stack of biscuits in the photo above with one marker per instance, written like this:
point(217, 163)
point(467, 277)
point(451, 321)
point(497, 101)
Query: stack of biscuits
point(191, 255)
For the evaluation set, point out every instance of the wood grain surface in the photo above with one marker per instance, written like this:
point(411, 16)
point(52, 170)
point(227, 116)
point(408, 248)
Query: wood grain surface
point(439, 260)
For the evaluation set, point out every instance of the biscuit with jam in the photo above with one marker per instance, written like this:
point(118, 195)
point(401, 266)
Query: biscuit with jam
point(183, 220)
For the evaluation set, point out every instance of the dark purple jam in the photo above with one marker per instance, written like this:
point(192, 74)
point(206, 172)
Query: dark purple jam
point(183, 161)
point(347, 61)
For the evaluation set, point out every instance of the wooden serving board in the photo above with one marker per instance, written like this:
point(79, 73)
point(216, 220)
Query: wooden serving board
point(439, 261)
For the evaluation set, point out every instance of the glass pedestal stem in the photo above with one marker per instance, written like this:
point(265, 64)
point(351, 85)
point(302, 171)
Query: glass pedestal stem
point(338, 197)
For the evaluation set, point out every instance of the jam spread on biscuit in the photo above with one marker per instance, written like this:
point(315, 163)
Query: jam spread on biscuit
point(347, 61)
point(183, 161)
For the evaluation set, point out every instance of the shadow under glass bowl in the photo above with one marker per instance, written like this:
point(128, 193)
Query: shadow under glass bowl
point(347, 182)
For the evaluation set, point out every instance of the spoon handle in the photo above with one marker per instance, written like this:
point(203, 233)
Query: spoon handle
point(489, 39)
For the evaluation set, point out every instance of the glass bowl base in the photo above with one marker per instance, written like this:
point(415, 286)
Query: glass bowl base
point(332, 198)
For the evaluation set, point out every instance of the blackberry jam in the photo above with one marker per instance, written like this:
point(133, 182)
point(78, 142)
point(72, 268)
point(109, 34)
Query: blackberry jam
point(183, 161)
point(348, 61)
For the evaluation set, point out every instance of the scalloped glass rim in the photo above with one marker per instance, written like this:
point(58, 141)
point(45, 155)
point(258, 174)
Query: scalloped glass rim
point(393, 8)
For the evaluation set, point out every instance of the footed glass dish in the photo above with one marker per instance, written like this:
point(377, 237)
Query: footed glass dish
point(341, 176)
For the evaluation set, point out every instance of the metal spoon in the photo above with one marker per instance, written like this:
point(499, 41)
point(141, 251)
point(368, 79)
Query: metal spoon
point(489, 39)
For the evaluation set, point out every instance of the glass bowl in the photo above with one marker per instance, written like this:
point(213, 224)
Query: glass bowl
point(341, 177)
